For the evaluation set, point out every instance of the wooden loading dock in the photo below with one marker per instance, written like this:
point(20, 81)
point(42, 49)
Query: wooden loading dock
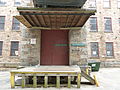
point(52, 19)
point(46, 71)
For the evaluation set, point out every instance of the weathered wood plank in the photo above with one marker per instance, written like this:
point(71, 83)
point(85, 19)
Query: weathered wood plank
point(24, 21)
point(58, 81)
point(12, 80)
point(45, 81)
point(23, 80)
point(34, 81)
point(78, 80)
point(69, 81)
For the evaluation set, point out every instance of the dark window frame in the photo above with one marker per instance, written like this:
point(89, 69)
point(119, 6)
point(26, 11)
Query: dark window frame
point(14, 24)
point(109, 50)
point(96, 24)
point(97, 50)
point(110, 30)
point(3, 23)
point(1, 48)
point(12, 50)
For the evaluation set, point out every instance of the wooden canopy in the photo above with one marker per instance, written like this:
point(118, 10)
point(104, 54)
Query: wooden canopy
point(39, 18)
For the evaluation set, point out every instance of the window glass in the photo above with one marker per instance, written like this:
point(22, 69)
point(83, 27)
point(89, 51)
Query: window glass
point(16, 24)
point(94, 49)
point(109, 49)
point(2, 22)
point(107, 24)
point(93, 24)
point(14, 48)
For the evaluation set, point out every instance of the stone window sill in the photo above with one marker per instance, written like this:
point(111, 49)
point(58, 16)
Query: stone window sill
point(16, 30)
point(14, 56)
point(109, 57)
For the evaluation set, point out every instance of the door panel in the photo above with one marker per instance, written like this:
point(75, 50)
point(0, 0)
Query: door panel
point(54, 47)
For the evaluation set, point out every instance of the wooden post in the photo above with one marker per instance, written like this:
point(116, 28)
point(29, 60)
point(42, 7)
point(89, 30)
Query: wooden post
point(34, 81)
point(58, 81)
point(45, 81)
point(78, 80)
point(23, 80)
point(96, 82)
point(69, 81)
point(12, 80)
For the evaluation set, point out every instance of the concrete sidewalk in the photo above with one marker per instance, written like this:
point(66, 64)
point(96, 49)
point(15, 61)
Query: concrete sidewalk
point(109, 79)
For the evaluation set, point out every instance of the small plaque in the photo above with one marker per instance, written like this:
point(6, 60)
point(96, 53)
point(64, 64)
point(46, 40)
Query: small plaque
point(33, 41)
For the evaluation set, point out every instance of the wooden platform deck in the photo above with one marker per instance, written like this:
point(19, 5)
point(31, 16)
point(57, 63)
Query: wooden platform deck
point(47, 71)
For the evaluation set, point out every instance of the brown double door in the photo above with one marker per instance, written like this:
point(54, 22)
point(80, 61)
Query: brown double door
point(54, 47)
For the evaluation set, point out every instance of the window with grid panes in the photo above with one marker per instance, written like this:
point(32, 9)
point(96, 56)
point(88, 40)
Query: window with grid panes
point(94, 49)
point(2, 22)
point(107, 24)
point(17, 2)
point(106, 3)
point(1, 46)
point(93, 24)
point(109, 49)
point(3, 2)
point(14, 48)
point(16, 24)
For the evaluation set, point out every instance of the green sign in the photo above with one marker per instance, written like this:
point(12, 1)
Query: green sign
point(78, 44)
point(61, 44)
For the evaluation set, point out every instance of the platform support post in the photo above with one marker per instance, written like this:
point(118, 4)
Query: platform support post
point(34, 81)
point(78, 80)
point(23, 80)
point(58, 81)
point(12, 80)
point(69, 81)
point(45, 81)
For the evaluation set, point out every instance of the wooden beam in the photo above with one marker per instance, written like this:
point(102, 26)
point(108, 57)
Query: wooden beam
point(23, 80)
point(75, 20)
point(69, 81)
point(30, 19)
point(82, 21)
point(37, 17)
point(45, 28)
point(78, 80)
point(33, 9)
point(35, 20)
point(34, 81)
point(42, 20)
point(58, 81)
point(45, 81)
point(46, 13)
point(12, 80)
point(72, 20)
point(23, 21)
